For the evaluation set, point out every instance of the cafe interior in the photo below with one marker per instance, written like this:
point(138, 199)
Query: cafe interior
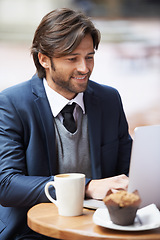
point(128, 59)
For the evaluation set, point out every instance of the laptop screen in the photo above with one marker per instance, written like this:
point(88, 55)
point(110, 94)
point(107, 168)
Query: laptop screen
point(144, 173)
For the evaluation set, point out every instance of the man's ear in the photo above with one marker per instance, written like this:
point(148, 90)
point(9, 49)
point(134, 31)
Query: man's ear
point(44, 60)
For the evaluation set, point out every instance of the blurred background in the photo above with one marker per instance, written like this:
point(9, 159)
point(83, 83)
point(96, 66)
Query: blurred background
point(128, 57)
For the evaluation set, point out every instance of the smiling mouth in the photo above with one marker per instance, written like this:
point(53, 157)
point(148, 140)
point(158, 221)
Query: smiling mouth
point(80, 78)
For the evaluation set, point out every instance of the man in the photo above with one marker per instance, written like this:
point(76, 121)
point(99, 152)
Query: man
point(34, 143)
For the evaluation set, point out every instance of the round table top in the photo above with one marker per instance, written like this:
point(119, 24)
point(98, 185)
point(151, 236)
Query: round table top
point(44, 219)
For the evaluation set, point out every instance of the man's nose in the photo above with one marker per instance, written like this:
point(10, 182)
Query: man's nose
point(82, 67)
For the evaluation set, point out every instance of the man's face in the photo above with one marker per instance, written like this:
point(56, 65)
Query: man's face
point(68, 75)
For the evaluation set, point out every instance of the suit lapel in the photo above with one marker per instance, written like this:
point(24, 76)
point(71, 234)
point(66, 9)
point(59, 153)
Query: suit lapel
point(93, 110)
point(47, 122)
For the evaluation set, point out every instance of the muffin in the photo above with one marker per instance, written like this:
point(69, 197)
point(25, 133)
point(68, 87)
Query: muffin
point(122, 207)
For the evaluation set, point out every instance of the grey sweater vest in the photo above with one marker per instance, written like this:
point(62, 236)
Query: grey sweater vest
point(73, 149)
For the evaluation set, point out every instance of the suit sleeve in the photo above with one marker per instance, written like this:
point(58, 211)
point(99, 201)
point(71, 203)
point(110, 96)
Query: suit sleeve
point(17, 188)
point(125, 142)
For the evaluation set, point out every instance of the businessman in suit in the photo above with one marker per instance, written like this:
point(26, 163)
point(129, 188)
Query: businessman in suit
point(35, 143)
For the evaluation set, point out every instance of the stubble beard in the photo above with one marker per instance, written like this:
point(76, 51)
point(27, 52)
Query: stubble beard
point(69, 86)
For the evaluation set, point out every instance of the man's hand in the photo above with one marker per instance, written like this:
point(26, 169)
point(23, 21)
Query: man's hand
point(98, 189)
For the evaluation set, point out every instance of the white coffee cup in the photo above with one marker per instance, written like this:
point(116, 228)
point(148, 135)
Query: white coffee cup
point(70, 190)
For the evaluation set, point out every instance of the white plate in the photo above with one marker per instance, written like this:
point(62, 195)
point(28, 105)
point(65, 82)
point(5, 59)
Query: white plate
point(147, 218)
point(93, 204)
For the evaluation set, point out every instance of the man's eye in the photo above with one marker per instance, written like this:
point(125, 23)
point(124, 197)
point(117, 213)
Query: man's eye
point(89, 57)
point(72, 59)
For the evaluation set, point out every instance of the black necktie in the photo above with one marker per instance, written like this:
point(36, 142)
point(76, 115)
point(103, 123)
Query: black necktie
point(68, 121)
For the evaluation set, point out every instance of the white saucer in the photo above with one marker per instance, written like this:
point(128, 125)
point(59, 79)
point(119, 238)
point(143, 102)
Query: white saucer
point(147, 218)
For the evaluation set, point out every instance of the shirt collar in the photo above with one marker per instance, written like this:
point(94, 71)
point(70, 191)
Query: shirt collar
point(58, 102)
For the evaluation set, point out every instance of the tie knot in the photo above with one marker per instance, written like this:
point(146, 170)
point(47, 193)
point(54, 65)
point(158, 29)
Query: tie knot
point(68, 119)
point(68, 109)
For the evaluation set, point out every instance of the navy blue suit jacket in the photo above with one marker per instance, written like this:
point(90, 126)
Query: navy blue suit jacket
point(28, 152)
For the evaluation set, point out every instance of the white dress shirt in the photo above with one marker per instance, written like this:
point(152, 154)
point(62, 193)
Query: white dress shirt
point(58, 102)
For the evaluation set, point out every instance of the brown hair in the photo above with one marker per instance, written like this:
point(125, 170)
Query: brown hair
point(59, 33)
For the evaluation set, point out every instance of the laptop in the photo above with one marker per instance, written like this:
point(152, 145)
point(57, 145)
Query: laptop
point(144, 173)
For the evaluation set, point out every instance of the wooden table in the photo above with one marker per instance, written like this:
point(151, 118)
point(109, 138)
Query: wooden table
point(44, 219)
